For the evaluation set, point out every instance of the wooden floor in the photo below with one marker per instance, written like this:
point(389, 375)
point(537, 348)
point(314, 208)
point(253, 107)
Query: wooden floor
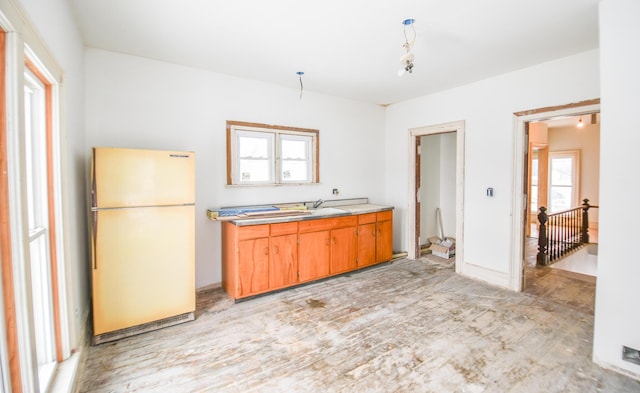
point(570, 288)
point(406, 326)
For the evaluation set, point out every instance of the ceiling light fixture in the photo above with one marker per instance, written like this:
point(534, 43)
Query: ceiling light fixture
point(580, 123)
point(300, 73)
point(409, 38)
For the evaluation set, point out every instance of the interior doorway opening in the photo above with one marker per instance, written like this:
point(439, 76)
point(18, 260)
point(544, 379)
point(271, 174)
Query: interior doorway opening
point(436, 165)
point(541, 135)
point(435, 212)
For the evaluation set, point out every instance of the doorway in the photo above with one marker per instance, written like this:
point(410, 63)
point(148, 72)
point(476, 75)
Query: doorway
point(436, 163)
point(531, 181)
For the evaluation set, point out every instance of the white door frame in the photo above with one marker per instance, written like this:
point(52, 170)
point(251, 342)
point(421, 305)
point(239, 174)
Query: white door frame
point(519, 198)
point(458, 128)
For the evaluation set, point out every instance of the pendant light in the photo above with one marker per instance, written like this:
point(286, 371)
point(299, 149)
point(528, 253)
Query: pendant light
point(406, 60)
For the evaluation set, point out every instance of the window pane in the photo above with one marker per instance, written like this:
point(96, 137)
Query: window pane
point(294, 149)
point(253, 147)
point(295, 171)
point(534, 172)
point(560, 198)
point(562, 171)
point(255, 170)
point(534, 198)
point(42, 306)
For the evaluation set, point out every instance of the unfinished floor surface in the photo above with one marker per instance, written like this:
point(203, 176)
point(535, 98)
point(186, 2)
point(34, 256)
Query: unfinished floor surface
point(406, 326)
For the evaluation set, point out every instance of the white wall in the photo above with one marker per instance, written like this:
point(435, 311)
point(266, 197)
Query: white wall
point(487, 108)
point(54, 22)
point(587, 141)
point(617, 320)
point(141, 103)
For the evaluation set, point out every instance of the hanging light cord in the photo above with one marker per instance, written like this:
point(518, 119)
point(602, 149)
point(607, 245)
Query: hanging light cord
point(407, 45)
point(301, 86)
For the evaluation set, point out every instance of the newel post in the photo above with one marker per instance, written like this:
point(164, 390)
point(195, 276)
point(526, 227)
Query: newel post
point(585, 220)
point(541, 259)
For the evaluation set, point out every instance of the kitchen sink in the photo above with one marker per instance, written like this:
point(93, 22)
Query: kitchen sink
point(327, 211)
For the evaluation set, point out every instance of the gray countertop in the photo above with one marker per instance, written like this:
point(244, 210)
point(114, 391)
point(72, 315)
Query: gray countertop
point(325, 212)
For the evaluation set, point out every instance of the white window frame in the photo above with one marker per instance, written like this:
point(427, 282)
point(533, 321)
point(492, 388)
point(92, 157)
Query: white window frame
point(275, 135)
point(22, 41)
point(575, 176)
point(291, 136)
point(38, 224)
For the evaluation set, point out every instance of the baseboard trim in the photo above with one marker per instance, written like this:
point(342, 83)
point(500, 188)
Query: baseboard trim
point(489, 276)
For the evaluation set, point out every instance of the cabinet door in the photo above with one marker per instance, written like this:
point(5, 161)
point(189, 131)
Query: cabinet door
point(253, 266)
point(366, 244)
point(384, 241)
point(283, 267)
point(344, 249)
point(313, 256)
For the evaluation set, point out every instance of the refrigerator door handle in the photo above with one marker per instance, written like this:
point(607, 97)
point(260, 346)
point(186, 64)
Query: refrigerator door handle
point(94, 244)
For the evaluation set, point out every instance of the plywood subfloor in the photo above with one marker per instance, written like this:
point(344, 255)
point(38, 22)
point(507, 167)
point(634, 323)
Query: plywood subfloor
point(407, 326)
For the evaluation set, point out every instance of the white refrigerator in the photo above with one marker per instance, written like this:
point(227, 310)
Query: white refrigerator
point(142, 240)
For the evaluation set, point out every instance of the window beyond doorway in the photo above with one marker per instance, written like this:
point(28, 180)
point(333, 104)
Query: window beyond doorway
point(564, 170)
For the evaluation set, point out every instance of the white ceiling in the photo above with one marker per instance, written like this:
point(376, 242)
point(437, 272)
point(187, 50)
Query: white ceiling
point(346, 48)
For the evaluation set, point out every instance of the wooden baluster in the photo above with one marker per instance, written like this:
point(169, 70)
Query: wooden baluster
point(541, 258)
point(553, 240)
point(585, 220)
point(578, 229)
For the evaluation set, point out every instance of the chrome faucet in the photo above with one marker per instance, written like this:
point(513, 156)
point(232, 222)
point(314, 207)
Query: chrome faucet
point(317, 203)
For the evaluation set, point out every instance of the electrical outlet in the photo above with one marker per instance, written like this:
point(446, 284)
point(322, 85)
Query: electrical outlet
point(631, 355)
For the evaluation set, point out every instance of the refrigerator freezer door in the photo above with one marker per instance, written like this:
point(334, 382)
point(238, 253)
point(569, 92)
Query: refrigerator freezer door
point(131, 177)
point(143, 267)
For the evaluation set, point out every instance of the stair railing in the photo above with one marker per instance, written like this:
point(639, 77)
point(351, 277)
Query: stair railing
point(562, 232)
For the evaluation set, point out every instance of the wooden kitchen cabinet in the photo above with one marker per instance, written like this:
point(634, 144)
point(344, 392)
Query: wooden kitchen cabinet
point(366, 239)
point(283, 256)
point(253, 266)
point(344, 249)
point(245, 259)
point(266, 257)
point(384, 236)
point(313, 255)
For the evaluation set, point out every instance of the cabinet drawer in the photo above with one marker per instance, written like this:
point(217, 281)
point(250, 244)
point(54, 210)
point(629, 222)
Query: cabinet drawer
point(366, 218)
point(326, 224)
point(343, 222)
point(323, 224)
point(285, 228)
point(385, 215)
point(253, 231)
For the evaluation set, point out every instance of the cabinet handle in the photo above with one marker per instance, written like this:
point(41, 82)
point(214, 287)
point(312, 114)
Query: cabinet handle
point(266, 251)
point(276, 250)
point(94, 235)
